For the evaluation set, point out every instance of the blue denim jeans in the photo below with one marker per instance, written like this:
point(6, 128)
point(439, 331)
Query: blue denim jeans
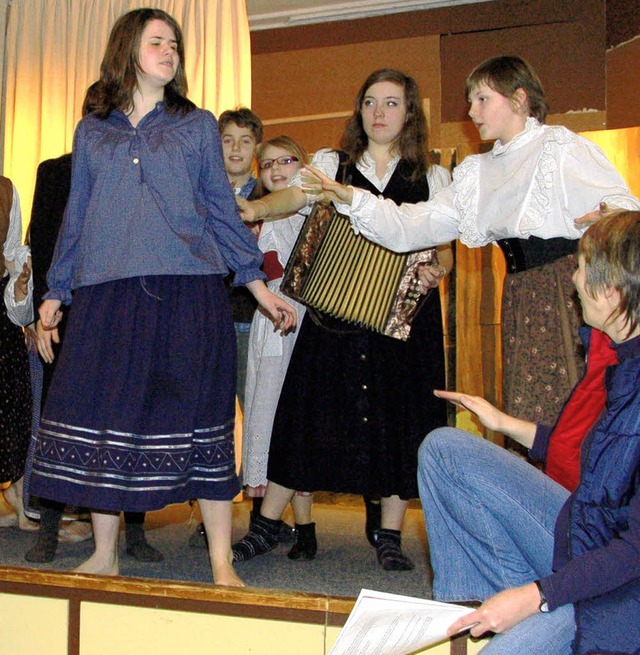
point(490, 518)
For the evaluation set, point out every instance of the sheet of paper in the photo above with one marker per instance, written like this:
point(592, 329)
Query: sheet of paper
point(389, 624)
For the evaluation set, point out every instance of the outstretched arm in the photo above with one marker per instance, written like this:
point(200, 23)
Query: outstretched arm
point(491, 417)
point(274, 205)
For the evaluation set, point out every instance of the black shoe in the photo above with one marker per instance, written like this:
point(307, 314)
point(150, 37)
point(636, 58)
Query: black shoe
point(374, 519)
point(143, 551)
point(137, 545)
point(390, 553)
point(199, 538)
point(45, 549)
point(306, 545)
point(262, 538)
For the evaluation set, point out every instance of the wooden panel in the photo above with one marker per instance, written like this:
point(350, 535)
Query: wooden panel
point(623, 90)
point(327, 81)
point(572, 83)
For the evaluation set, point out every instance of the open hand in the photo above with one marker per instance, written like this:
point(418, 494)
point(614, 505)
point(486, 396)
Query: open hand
point(593, 217)
point(321, 187)
point(491, 417)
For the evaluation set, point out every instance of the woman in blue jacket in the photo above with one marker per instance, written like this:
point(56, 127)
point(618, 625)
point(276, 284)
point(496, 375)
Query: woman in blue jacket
point(554, 571)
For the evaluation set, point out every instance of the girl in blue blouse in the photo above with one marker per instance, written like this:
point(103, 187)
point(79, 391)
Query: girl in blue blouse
point(141, 408)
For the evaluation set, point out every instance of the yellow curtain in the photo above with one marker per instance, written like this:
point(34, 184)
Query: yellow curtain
point(53, 50)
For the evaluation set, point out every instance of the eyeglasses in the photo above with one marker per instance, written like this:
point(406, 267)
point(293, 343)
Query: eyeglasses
point(283, 161)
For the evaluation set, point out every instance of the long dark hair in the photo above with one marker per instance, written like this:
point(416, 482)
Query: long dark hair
point(120, 65)
point(412, 142)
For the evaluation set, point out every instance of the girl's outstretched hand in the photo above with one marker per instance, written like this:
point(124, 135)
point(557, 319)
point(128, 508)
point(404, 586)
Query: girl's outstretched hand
point(321, 187)
point(593, 217)
point(248, 212)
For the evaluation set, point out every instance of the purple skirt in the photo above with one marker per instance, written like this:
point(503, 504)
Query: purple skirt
point(140, 413)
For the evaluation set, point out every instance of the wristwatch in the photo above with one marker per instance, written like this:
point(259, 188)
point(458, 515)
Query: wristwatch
point(544, 606)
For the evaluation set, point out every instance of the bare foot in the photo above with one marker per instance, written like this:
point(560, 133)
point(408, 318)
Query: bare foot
point(224, 574)
point(8, 520)
point(99, 565)
point(13, 498)
point(74, 531)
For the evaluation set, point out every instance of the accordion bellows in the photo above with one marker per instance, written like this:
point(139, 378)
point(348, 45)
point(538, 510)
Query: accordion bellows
point(346, 276)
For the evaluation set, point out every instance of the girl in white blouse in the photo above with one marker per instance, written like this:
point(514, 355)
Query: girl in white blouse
point(525, 194)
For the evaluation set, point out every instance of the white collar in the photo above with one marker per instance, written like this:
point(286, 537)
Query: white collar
point(531, 130)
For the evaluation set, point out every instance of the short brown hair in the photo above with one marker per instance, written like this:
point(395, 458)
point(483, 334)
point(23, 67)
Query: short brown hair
point(242, 117)
point(611, 251)
point(507, 74)
point(120, 65)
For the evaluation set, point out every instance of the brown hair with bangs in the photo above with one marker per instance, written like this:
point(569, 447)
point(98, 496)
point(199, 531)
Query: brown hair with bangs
point(286, 143)
point(120, 65)
point(412, 142)
point(611, 251)
point(507, 74)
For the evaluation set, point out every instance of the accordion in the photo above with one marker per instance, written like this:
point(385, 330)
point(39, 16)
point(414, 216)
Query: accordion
point(343, 274)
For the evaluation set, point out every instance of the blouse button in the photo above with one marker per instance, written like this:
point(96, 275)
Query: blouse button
point(136, 160)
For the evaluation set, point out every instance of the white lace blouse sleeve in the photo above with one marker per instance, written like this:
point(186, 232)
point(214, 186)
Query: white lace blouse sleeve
point(20, 313)
point(590, 178)
point(438, 178)
point(14, 234)
point(409, 226)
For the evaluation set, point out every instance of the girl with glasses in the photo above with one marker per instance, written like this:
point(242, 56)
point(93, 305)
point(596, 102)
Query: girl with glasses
point(279, 160)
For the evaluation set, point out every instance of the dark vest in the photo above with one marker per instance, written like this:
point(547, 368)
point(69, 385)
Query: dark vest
point(399, 189)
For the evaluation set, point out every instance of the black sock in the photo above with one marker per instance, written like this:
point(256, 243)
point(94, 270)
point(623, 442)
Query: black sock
point(261, 538)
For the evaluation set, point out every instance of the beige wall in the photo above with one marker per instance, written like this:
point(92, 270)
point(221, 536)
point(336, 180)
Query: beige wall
point(66, 614)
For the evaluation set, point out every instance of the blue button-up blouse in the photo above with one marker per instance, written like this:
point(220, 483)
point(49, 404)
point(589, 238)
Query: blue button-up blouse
point(149, 200)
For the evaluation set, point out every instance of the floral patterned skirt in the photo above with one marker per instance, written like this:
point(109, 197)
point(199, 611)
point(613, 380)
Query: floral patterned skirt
point(542, 354)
